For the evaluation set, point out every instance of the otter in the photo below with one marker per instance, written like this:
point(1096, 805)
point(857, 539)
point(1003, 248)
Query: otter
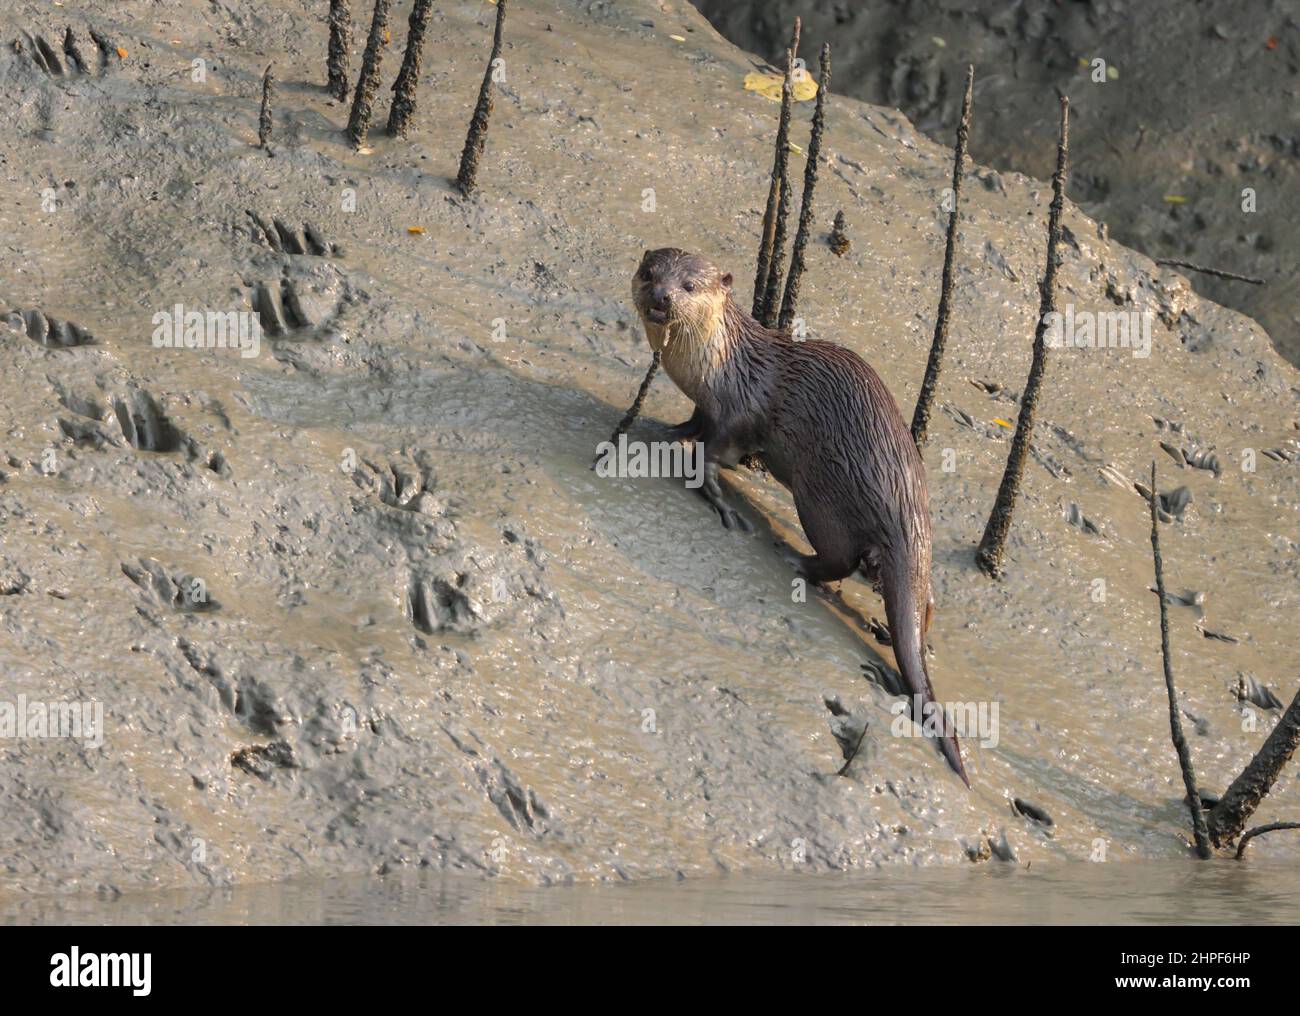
point(823, 424)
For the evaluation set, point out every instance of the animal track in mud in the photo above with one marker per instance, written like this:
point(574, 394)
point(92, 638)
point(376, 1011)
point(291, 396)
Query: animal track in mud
point(1169, 506)
point(141, 422)
point(261, 760)
point(46, 330)
point(307, 303)
point(179, 591)
point(439, 604)
point(47, 58)
point(284, 239)
point(1075, 517)
point(401, 485)
point(251, 702)
point(519, 805)
point(145, 425)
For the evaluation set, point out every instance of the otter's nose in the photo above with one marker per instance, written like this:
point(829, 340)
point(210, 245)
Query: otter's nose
point(659, 298)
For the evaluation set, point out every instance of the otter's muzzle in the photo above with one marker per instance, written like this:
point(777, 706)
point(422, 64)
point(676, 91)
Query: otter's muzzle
point(660, 305)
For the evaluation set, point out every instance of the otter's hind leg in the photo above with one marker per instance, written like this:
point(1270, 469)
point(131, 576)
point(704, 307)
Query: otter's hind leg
point(837, 554)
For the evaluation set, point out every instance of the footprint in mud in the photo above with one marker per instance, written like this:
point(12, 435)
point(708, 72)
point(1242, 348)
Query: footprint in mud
point(1075, 517)
point(284, 239)
point(1217, 636)
point(1169, 506)
point(406, 485)
point(1250, 690)
point(140, 421)
point(46, 330)
point(1031, 811)
point(73, 61)
point(884, 677)
point(519, 805)
point(1192, 598)
point(1001, 432)
point(1195, 458)
point(144, 425)
point(262, 760)
point(440, 604)
point(179, 591)
point(249, 700)
point(848, 727)
point(304, 302)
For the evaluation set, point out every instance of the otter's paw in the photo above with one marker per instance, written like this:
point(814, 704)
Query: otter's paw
point(711, 491)
point(732, 519)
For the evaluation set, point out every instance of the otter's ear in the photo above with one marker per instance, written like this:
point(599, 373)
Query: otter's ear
point(726, 281)
point(645, 257)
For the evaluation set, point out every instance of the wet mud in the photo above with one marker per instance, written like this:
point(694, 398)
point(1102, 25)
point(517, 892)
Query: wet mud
point(429, 635)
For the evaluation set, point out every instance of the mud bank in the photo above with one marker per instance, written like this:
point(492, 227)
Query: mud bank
point(1185, 133)
point(357, 604)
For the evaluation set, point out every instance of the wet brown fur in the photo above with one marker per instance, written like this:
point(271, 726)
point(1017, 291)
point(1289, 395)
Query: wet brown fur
point(824, 425)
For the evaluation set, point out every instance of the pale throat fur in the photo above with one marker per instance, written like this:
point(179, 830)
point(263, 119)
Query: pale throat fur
point(700, 345)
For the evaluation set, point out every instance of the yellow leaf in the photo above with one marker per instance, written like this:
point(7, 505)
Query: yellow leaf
point(677, 38)
point(415, 230)
point(121, 53)
point(1001, 422)
point(795, 148)
point(1175, 199)
point(769, 86)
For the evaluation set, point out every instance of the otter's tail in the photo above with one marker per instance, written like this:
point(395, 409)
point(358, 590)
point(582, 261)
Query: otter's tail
point(905, 630)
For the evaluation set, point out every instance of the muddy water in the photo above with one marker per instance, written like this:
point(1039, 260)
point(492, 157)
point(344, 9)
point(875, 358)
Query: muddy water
point(1140, 893)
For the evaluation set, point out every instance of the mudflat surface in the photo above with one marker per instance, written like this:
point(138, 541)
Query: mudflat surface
point(432, 637)
point(1186, 134)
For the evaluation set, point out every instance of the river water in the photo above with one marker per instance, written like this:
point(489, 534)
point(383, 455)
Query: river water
point(1219, 892)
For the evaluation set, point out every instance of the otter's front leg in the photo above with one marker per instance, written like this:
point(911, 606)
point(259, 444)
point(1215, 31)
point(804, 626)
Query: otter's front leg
point(711, 491)
point(721, 452)
point(691, 430)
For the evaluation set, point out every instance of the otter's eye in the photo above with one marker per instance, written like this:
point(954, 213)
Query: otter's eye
point(689, 287)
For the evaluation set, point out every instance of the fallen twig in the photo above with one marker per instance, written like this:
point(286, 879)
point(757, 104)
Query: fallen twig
point(1175, 263)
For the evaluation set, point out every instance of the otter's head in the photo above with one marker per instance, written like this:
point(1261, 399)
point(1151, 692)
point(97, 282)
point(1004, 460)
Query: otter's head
point(679, 295)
